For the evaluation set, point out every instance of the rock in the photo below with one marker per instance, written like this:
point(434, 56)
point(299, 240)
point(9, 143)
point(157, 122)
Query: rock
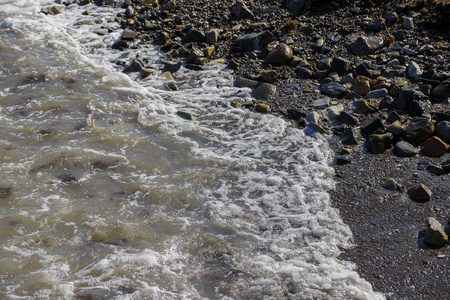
point(334, 111)
point(408, 23)
point(361, 85)
point(5, 192)
point(393, 117)
point(168, 5)
point(295, 6)
point(390, 17)
point(212, 36)
point(379, 142)
point(319, 104)
point(399, 35)
point(396, 129)
point(254, 41)
point(413, 102)
point(295, 114)
point(392, 185)
point(264, 91)
point(262, 108)
point(377, 93)
point(314, 128)
point(436, 170)
point(376, 25)
point(304, 73)
point(240, 11)
point(194, 35)
point(362, 68)
point(442, 90)
point(443, 131)
point(233, 64)
point(324, 63)
point(420, 193)
point(145, 72)
point(340, 65)
point(279, 56)
point(128, 35)
point(237, 102)
point(350, 137)
point(344, 159)
point(348, 79)
point(446, 166)
point(348, 118)
point(419, 130)
point(414, 71)
point(366, 45)
point(269, 76)
point(313, 117)
point(136, 65)
point(171, 66)
point(434, 146)
point(186, 115)
point(194, 55)
point(333, 89)
point(372, 125)
point(362, 107)
point(435, 234)
point(405, 149)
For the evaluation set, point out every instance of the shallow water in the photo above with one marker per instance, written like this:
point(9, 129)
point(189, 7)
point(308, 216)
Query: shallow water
point(106, 192)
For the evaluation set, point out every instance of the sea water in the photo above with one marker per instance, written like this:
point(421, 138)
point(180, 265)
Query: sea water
point(106, 192)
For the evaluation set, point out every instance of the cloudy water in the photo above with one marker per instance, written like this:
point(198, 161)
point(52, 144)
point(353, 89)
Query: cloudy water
point(107, 193)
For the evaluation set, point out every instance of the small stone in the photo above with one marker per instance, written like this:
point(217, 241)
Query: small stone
point(334, 111)
point(372, 125)
point(146, 72)
point(319, 103)
point(405, 149)
point(436, 170)
point(434, 146)
point(194, 36)
point(262, 108)
point(304, 73)
point(435, 234)
point(396, 128)
point(254, 41)
point(128, 35)
point(313, 117)
point(56, 9)
point(240, 11)
point(237, 102)
point(413, 102)
point(420, 193)
point(168, 5)
point(313, 128)
point(279, 56)
point(350, 137)
point(366, 45)
point(295, 5)
point(442, 90)
point(443, 131)
point(392, 185)
point(264, 91)
point(136, 65)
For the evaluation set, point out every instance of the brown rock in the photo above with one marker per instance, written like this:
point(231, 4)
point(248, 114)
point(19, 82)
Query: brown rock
point(361, 85)
point(434, 146)
point(420, 193)
point(362, 107)
point(262, 108)
point(279, 56)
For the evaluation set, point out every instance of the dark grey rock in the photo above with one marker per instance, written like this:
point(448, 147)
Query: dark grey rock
point(372, 125)
point(376, 25)
point(350, 137)
point(304, 73)
point(340, 65)
point(392, 185)
point(319, 103)
point(366, 45)
point(128, 35)
point(413, 102)
point(295, 114)
point(434, 146)
point(443, 131)
point(344, 159)
point(390, 17)
point(186, 115)
point(377, 93)
point(264, 91)
point(194, 35)
point(420, 193)
point(436, 170)
point(254, 41)
point(241, 11)
point(136, 65)
point(348, 118)
point(324, 63)
point(405, 149)
point(333, 89)
point(400, 35)
point(295, 6)
point(414, 71)
point(442, 90)
point(419, 130)
point(379, 142)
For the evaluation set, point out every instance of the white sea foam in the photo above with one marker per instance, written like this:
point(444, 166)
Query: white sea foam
point(140, 203)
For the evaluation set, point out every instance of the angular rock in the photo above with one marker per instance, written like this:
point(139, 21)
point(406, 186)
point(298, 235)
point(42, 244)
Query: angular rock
point(362, 107)
point(435, 234)
point(319, 103)
point(372, 125)
point(366, 45)
point(128, 35)
point(396, 128)
point(392, 185)
point(279, 56)
point(420, 193)
point(436, 170)
point(434, 146)
point(361, 85)
point(194, 35)
point(405, 149)
point(443, 131)
point(377, 93)
point(240, 11)
point(334, 111)
point(313, 117)
point(295, 6)
point(350, 137)
point(136, 65)
point(442, 90)
point(408, 23)
point(340, 65)
point(348, 118)
point(414, 71)
point(186, 115)
point(254, 41)
point(333, 89)
point(264, 91)
point(413, 102)
point(344, 159)
point(379, 142)
point(212, 36)
point(419, 130)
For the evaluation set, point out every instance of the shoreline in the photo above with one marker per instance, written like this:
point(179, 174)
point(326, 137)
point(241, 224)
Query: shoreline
point(388, 226)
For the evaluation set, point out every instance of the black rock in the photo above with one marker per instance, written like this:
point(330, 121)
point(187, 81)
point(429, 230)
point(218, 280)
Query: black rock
point(420, 193)
point(436, 170)
point(295, 114)
point(340, 65)
point(333, 89)
point(136, 65)
point(413, 102)
point(304, 73)
point(372, 125)
point(419, 130)
point(405, 149)
point(344, 159)
point(348, 118)
point(349, 137)
point(194, 36)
